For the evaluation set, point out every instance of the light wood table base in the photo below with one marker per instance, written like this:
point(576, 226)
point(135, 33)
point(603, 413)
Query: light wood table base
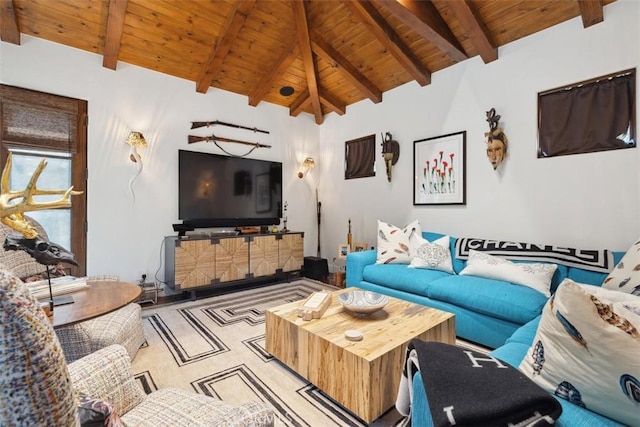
point(363, 376)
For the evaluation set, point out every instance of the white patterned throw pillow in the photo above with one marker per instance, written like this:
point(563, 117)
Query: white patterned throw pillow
point(534, 275)
point(395, 244)
point(433, 255)
point(625, 276)
point(586, 350)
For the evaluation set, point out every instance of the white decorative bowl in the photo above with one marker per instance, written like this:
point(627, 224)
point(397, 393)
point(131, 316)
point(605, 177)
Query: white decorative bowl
point(363, 302)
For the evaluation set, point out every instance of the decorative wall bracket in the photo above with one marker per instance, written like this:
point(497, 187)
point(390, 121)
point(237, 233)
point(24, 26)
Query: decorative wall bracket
point(390, 152)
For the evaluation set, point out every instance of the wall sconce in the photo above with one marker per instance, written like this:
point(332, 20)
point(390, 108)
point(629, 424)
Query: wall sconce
point(308, 164)
point(135, 140)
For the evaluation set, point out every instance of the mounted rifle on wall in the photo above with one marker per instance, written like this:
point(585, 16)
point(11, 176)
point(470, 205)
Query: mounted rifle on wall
point(196, 125)
point(215, 139)
point(193, 139)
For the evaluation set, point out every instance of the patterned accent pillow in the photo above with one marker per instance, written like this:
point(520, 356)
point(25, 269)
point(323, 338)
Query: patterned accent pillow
point(625, 276)
point(537, 276)
point(395, 244)
point(586, 350)
point(35, 384)
point(97, 413)
point(434, 255)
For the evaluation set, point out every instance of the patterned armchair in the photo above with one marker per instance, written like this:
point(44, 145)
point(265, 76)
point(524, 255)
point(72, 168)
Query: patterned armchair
point(38, 388)
point(123, 326)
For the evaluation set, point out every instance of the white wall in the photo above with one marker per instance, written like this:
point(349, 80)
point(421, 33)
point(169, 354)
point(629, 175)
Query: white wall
point(584, 201)
point(125, 237)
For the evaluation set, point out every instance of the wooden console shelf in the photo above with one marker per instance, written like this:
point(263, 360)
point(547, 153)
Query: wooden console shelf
point(198, 261)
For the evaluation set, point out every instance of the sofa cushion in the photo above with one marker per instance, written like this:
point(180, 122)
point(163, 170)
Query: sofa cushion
point(401, 277)
point(395, 244)
point(35, 385)
point(586, 350)
point(534, 275)
point(525, 333)
point(625, 276)
point(495, 298)
point(181, 408)
point(433, 255)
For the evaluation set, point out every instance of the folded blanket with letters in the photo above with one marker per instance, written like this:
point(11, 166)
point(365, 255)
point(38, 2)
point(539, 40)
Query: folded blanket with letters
point(468, 388)
point(600, 261)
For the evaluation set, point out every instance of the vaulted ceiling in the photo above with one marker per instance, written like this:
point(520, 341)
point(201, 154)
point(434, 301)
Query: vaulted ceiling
point(311, 56)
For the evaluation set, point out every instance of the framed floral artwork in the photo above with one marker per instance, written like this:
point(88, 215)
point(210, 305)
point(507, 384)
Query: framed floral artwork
point(439, 170)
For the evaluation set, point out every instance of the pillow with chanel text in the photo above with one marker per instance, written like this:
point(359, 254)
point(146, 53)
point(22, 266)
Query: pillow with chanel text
point(586, 350)
point(395, 245)
point(433, 255)
point(625, 276)
point(534, 275)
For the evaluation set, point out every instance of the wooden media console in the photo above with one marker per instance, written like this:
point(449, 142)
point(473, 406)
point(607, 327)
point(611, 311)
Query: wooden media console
point(204, 261)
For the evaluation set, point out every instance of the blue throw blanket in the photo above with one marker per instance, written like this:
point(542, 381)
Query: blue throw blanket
point(468, 388)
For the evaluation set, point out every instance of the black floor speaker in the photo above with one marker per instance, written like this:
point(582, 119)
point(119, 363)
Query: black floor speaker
point(316, 268)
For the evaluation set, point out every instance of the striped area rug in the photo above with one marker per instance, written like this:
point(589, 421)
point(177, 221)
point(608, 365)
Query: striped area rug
point(216, 346)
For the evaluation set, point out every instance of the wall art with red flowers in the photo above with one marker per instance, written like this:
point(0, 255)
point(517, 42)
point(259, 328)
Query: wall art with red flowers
point(439, 170)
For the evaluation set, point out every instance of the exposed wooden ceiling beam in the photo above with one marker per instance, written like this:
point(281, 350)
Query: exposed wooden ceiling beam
point(389, 39)
point(9, 29)
point(591, 11)
point(220, 49)
point(302, 26)
point(301, 102)
point(332, 103)
point(348, 70)
point(113, 34)
point(423, 18)
point(476, 30)
point(277, 69)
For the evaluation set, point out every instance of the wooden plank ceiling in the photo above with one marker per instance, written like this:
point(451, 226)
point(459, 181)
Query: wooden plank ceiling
point(331, 53)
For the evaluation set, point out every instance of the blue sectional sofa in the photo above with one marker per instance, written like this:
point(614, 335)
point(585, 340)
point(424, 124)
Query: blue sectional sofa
point(487, 315)
point(496, 314)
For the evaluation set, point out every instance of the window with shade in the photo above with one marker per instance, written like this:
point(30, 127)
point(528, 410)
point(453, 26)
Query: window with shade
point(589, 116)
point(360, 157)
point(37, 126)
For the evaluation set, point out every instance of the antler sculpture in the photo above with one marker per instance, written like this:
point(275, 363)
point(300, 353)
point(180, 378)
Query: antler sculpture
point(12, 214)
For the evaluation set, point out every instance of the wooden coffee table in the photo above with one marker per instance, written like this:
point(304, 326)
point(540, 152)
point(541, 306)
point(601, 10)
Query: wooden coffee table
point(363, 376)
point(101, 297)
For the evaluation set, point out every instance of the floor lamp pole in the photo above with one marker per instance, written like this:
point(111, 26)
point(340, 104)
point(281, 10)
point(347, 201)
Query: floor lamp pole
point(318, 205)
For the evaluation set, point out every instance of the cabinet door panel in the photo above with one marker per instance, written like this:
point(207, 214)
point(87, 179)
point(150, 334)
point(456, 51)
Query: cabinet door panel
point(195, 263)
point(291, 252)
point(263, 256)
point(232, 259)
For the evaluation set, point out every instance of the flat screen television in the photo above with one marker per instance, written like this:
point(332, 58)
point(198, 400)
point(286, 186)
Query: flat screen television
point(225, 191)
